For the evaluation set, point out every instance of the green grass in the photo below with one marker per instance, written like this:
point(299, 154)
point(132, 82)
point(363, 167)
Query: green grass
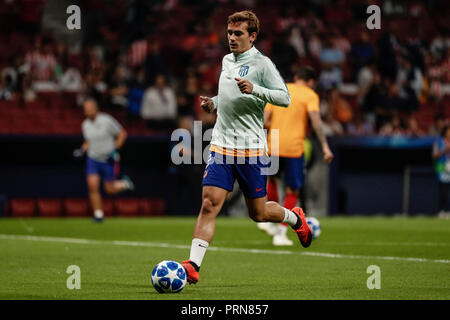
point(109, 270)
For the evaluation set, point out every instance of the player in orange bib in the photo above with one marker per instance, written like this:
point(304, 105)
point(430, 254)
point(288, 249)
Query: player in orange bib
point(292, 124)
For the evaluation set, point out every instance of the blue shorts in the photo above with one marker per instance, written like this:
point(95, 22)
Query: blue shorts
point(294, 171)
point(108, 170)
point(222, 171)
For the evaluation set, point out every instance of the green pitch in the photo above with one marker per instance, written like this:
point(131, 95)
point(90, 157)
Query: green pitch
point(117, 257)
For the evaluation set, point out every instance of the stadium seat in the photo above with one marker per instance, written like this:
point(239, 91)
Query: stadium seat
point(49, 207)
point(159, 206)
point(22, 208)
point(108, 207)
point(128, 207)
point(151, 206)
point(76, 207)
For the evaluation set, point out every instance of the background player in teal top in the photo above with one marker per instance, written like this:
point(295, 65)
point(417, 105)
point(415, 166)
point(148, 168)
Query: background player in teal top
point(248, 81)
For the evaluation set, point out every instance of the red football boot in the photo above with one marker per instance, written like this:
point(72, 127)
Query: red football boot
point(192, 274)
point(304, 233)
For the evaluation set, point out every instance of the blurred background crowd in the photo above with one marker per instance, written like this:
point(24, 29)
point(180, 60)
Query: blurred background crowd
point(147, 62)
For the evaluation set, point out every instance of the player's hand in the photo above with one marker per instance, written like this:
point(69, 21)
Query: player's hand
point(78, 153)
point(327, 154)
point(114, 155)
point(207, 104)
point(244, 85)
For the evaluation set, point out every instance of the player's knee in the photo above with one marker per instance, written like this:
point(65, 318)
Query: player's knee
point(207, 206)
point(93, 187)
point(109, 188)
point(258, 216)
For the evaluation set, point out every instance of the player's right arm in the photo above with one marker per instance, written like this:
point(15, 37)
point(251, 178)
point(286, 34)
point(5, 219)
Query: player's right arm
point(316, 123)
point(85, 146)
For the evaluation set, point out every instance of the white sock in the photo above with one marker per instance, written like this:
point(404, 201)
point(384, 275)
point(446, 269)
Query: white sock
point(198, 250)
point(98, 214)
point(289, 217)
point(282, 230)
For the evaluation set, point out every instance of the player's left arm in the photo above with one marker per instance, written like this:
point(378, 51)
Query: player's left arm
point(120, 138)
point(273, 89)
point(316, 123)
point(118, 131)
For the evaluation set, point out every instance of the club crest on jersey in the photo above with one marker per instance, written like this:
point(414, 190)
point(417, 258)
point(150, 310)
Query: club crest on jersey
point(243, 71)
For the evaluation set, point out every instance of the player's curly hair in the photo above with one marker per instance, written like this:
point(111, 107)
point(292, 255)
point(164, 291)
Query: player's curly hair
point(246, 16)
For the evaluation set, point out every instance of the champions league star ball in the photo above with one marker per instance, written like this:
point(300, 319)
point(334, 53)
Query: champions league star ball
point(314, 224)
point(168, 277)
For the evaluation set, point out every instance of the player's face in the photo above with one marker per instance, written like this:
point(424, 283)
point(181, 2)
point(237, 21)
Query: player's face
point(90, 109)
point(239, 39)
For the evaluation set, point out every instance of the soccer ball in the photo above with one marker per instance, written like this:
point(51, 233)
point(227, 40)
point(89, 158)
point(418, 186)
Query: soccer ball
point(314, 224)
point(168, 277)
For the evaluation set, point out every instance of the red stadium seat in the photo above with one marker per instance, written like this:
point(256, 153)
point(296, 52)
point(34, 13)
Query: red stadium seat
point(76, 207)
point(151, 206)
point(159, 206)
point(108, 207)
point(128, 207)
point(22, 207)
point(49, 207)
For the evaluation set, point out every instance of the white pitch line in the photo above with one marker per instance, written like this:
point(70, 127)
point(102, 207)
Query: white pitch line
point(224, 249)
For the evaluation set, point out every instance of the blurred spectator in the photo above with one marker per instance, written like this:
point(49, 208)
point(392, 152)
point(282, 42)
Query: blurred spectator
point(6, 92)
point(135, 94)
point(71, 80)
point(412, 128)
point(438, 124)
point(365, 78)
point(362, 52)
point(388, 47)
point(41, 61)
point(332, 60)
point(342, 111)
point(296, 41)
point(159, 105)
point(359, 126)
point(314, 46)
point(439, 44)
point(394, 127)
point(187, 97)
point(332, 127)
point(137, 52)
point(284, 55)
point(117, 86)
point(438, 73)
point(410, 83)
point(340, 41)
point(154, 63)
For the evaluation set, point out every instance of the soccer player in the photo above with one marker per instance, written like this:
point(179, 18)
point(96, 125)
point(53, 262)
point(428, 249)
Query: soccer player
point(441, 155)
point(292, 124)
point(238, 146)
point(103, 136)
